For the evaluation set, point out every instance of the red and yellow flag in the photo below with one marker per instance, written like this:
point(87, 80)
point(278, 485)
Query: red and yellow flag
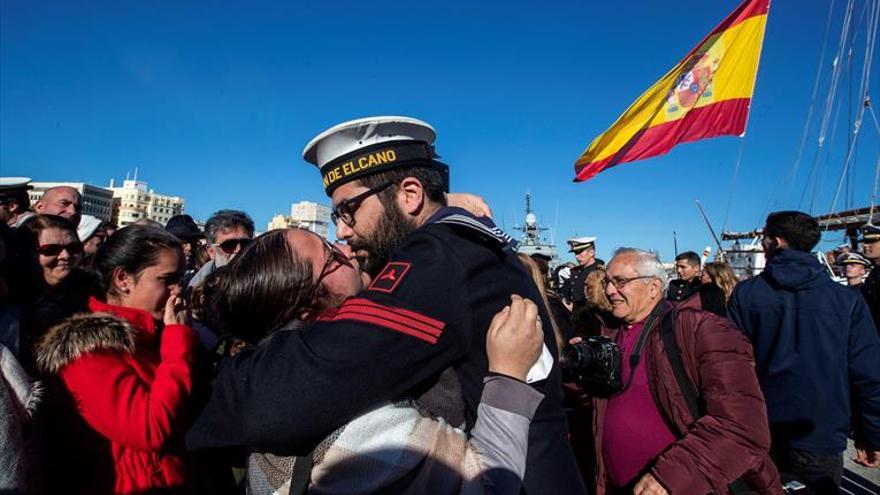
point(706, 95)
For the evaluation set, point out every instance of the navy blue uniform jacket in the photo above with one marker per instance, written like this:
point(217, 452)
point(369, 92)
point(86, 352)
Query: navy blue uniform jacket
point(429, 309)
point(815, 350)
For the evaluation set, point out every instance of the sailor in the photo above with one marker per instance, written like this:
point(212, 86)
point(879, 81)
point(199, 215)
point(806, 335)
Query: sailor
point(855, 268)
point(15, 205)
point(584, 250)
point(871, 288)
point(439, 274)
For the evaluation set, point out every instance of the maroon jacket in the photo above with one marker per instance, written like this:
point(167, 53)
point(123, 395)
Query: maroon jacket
point(732, 439)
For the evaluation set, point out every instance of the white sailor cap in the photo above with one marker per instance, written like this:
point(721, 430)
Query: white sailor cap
point(578, 244)
point(87, 227)
point(9, 183)
point(366, 146)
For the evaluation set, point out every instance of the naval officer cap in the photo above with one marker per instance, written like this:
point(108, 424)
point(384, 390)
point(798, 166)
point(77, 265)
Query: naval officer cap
point(578, 244)
point(9, 184)
point(853, 258)
point(870, 233)
point(367, 146)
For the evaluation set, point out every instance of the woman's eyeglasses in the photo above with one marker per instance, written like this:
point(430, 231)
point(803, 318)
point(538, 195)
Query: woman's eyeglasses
point(72, 248)
point(229, 245)
point(333, 254)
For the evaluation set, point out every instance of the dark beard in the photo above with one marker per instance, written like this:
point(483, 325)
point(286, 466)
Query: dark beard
point(390, 231)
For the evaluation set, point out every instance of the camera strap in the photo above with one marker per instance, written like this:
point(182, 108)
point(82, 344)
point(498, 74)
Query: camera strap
point(657, 314)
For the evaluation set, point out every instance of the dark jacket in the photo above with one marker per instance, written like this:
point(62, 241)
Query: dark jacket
point(732, 439)
point(871, 292)
point(429, 309)
point(816, 349)
point(712, 299)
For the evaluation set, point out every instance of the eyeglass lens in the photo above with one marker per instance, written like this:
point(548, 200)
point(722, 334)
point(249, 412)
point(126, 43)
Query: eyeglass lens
point(228, 246)
point(55, 249)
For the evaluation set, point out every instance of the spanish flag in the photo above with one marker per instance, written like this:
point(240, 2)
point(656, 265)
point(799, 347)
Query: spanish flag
point(706, 95)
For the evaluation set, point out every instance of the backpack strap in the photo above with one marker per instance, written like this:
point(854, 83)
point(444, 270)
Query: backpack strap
point(302, 474)
point(688, 390)
point(674, 355)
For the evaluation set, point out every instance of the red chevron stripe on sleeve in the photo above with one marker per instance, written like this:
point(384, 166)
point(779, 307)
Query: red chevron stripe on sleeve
point(400, 320)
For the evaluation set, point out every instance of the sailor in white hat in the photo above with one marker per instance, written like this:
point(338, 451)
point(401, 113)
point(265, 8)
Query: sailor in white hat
point(15, 205)
point(363, 147)
point(584, 249)
point(442, 267)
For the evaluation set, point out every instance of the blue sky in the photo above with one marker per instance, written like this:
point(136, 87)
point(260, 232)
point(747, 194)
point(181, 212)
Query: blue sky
point(215, 101)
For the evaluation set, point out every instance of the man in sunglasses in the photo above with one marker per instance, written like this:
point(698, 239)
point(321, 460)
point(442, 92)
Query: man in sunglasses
point(227, 233)
point(439, 274)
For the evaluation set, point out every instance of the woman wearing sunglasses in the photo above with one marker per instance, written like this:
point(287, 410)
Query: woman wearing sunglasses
point(49, 284)
point(125, 370)
point(289, 277)
point(58, 248)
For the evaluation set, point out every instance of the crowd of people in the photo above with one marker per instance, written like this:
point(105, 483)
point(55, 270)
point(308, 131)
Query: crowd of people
point(421, 353)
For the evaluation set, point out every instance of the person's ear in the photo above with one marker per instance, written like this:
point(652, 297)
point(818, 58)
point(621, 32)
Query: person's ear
point(210, 248)
point(657, 285)
point(121, 281)
point(411, 196)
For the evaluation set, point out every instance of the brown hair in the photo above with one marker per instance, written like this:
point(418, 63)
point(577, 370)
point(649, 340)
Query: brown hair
point(534, 272)
point(722, 276)
point(594, 290)
point(36, 224)
point(261, 289)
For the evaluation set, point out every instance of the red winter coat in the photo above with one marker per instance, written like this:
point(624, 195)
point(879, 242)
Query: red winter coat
point(732, 439)
point(129, 382)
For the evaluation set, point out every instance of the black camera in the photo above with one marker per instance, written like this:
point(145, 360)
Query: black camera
point(594, 363)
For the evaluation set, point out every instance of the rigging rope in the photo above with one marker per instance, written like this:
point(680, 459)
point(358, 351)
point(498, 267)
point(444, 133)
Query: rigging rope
point(874, 18)
point(739, 156)
point(874, 195)
point(831, 98)
point(819, 69)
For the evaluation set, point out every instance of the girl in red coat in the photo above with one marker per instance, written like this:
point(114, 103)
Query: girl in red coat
point(126, 372)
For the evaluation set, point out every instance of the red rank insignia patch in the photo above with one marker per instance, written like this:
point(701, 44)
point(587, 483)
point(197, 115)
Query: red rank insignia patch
point(390, 277)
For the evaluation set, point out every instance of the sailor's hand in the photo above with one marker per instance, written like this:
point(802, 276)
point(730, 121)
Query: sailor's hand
point(470, 202)
point(649, 485)
point(515, 339)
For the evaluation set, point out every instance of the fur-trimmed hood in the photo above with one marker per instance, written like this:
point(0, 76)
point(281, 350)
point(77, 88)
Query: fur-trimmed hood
point(81, 334)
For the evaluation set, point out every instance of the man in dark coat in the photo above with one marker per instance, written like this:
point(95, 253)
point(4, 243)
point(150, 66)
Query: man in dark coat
point(816, 353)
point(438, 277)
point(584, 250)
point(871, 288)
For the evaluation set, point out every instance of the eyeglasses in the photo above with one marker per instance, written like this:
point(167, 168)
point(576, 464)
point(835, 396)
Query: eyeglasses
point(344, 211)
point(73, 248)
point(229, 245)
point(333, 254)
point(620, 282)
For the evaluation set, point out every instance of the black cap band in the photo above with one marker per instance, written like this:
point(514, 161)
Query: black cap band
point(377, 158)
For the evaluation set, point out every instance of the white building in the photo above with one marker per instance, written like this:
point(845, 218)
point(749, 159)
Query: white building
point(134, 201)
point(311, 216)
point(96, 201)
point(279, 221)
point(304, 215)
